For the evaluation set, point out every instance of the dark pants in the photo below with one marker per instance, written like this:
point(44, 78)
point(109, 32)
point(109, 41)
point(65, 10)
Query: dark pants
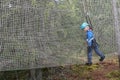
point(97, 51)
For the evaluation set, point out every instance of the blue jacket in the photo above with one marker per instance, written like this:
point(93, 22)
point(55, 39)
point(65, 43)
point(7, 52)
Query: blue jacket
point(89, 37)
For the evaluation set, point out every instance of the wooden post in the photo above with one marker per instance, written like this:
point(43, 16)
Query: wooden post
point(116, 22)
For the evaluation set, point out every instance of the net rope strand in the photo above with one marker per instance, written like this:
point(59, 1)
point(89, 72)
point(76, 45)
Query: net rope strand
point(46, 33)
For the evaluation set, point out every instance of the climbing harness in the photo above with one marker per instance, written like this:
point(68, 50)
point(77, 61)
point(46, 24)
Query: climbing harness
point(86, 14)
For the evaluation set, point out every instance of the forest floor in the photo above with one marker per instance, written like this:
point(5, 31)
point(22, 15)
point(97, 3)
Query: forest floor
point(106, 70)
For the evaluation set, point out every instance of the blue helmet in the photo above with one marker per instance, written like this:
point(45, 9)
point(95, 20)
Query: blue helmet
point(85, 24)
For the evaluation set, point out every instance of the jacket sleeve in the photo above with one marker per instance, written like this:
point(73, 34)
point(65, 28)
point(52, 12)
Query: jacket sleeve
point(90, 37)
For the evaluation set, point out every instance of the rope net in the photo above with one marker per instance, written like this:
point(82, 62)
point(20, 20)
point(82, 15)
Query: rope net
point(46, 33)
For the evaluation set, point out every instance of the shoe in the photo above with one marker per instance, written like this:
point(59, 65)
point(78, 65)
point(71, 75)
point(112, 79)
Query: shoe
point(88, 64)
point(102, 58)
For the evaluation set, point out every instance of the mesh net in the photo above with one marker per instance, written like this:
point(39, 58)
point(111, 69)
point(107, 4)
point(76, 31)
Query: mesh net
point(46, 33)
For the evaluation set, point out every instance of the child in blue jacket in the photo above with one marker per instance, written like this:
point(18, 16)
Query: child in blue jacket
point(92, 44)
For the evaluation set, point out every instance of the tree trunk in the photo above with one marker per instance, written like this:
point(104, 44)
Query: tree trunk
point(32, 74)
point(116, 22)
point(39, 74)
point(35, 74)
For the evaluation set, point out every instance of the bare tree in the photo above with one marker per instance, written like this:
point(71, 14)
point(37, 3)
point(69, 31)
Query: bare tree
point(116, 22)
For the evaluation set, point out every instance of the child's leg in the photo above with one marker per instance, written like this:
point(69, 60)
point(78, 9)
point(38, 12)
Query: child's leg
point(89, 54)
point(98, 52)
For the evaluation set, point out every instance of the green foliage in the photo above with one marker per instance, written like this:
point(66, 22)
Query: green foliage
point(13, 75)
point(33, 2)
point(83, 71)
point(114, 75)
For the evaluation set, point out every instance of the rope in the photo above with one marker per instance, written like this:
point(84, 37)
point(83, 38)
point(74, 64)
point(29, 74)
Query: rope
point(86, 14)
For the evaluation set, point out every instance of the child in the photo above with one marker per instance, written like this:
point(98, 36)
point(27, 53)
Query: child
point(92, 44)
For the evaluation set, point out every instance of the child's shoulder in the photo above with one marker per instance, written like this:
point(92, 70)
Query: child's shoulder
point(90, 32)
